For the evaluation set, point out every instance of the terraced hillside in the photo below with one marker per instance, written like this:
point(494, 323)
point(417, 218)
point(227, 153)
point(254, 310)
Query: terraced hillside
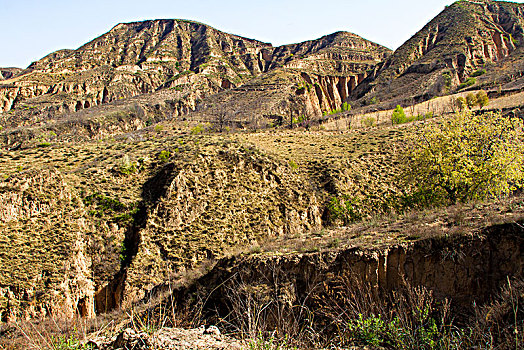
point(185, 61)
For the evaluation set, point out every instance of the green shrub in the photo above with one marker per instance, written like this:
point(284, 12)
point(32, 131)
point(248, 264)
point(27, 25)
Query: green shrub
point(197, 129)
point(345, 209)
point(122, 256)
point(369, 122)
point(482, 99)
point(469, 82)
point(346, 107)
point(369, 331)
point(104, 203)
point(63, 342)
point(471, 100)
point(478, 73)
point(447, 79)
point(299, 119)
point(127, 167)
point(398, 116)
point(428, 115)
point(164, 156)
point(461, 103)
point(302, 87)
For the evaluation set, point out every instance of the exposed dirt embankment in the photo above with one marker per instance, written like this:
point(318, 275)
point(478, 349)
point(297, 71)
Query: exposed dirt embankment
point(324, 93)
point(462, 268)
point(43, 251)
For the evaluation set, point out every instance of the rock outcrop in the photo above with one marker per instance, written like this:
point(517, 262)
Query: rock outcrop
point(8, 73)
point(168, 338)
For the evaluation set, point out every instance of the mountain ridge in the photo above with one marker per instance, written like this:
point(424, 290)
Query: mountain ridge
point(189, 60)
point(466, 36)
point(198, 67)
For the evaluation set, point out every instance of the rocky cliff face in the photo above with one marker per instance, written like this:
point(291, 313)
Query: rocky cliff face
point(466, 37)
point(306, 79)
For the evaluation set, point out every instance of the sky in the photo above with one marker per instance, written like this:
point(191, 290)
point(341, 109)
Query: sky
point(32, 29)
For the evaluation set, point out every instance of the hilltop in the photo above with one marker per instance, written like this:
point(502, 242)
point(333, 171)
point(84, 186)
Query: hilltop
point(178, 63)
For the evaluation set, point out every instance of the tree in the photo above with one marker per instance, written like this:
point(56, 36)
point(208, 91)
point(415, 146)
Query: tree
point(221, 118)
point(471, 100)
point(461, 103)
point(482, 99)
point(398, 116)
point(465, 157)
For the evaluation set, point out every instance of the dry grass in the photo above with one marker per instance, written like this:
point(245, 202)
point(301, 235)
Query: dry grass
point(58, 332)
point(385, 231)
point(305, 166)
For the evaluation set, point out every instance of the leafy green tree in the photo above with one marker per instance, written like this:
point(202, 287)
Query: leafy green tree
point(465, 157)
point(482, 99)
point(471, 100)
point(398, 116)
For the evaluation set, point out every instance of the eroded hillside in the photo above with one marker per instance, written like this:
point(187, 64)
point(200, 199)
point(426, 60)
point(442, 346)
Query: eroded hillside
point(186, 62)
point(463, 42)
point(170, 201)
point(169, 166)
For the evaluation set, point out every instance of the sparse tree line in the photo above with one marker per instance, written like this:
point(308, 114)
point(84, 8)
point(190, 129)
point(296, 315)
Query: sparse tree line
point(472, 100)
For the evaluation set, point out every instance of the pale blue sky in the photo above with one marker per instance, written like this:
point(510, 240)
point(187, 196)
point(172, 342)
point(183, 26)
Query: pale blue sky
point(33, 28)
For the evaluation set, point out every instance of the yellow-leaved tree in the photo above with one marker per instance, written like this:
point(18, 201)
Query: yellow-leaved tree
point(464, 157)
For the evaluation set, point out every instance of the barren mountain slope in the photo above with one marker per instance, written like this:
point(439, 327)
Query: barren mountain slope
point(465, 38)
point(131, 59)
point(143, 57)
